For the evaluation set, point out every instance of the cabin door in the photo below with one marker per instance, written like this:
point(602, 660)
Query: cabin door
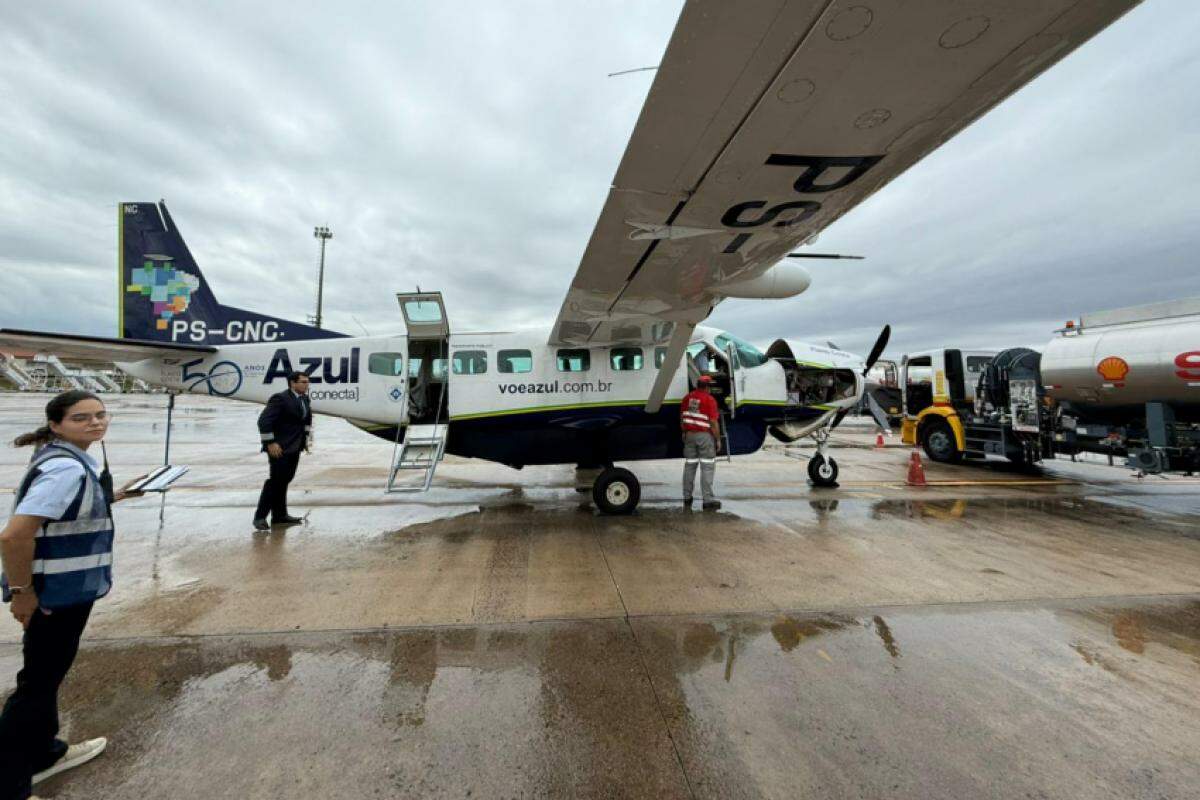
point(428, 356)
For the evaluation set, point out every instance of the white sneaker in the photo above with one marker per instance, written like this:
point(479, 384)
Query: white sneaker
point(76, 754)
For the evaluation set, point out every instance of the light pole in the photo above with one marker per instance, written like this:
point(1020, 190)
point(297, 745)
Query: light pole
point(324, 234)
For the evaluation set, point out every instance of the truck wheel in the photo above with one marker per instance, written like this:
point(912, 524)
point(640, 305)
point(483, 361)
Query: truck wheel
point(822, 472)
point(938, 439)
point(616, 491)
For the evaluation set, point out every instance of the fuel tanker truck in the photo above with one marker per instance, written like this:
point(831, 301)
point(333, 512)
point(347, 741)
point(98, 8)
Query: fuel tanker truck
point(1122, 383)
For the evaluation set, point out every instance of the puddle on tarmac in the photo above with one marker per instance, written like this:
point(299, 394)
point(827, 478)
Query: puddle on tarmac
point(545, 710)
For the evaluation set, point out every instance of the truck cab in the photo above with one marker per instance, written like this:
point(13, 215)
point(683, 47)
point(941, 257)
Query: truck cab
point(976, 403)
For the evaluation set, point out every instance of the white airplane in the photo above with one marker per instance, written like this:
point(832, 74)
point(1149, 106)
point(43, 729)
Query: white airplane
point(766, 122)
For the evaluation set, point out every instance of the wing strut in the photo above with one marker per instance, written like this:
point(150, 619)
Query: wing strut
point(670, 365)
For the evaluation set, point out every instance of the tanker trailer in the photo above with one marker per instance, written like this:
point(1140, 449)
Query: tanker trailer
point(1127, 382)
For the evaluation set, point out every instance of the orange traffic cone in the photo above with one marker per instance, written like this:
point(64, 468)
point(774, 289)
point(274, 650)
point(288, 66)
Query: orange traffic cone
point(916, 472)
point(879, 441)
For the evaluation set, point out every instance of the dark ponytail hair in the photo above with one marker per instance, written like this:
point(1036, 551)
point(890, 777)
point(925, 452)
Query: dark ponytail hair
point(56, 409)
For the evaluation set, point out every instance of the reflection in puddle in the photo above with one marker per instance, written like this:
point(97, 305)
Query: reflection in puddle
point(885, 636)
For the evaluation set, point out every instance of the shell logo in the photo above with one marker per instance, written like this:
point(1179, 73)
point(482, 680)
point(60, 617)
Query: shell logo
point(1113, 369)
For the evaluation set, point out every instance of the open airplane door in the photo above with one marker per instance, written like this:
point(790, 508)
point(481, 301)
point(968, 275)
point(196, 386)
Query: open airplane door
point(731, 358)
point(426, 404)
point(424, 315)
point(428, 356)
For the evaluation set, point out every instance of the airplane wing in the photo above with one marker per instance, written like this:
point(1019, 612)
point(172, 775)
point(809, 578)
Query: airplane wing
point(93, 348)
point(768, 120)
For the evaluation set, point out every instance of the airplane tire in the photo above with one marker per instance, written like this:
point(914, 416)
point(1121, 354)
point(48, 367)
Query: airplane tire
point(937, 437)
point(616, 491)
point(822, 472)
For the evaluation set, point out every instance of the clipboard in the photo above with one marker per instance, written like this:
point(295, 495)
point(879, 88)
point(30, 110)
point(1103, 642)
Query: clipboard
point(160, 480)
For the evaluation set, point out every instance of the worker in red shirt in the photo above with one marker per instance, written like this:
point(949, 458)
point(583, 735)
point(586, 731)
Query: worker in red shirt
point(701, 424)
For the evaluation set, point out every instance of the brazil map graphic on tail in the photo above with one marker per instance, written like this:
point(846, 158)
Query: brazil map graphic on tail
point(164, 297)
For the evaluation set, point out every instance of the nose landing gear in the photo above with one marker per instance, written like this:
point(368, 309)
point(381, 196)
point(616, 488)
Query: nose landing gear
point(822, 469)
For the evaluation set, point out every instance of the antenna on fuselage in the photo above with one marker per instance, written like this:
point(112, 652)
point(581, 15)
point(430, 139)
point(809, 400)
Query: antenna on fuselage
point(823, 255)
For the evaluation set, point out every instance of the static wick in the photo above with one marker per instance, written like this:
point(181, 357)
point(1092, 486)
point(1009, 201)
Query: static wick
point(631, 71)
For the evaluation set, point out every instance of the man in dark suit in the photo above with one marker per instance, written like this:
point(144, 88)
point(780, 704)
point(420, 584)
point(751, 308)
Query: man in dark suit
point(284, 427)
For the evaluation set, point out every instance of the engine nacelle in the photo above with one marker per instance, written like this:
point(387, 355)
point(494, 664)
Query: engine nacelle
point(786, 279)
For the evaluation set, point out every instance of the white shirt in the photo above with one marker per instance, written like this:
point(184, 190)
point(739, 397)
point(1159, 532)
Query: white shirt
point(56, 485)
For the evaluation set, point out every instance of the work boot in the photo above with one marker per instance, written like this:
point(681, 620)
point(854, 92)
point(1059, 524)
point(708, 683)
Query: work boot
point(76, 754)
point(712, 505)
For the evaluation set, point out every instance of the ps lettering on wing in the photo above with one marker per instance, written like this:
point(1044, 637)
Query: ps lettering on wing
point(814, 167)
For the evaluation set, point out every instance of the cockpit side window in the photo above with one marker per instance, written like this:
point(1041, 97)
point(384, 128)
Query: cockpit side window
point(747, 354)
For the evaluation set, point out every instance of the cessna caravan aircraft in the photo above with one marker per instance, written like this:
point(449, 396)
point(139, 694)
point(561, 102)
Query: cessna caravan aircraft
point(766, 122)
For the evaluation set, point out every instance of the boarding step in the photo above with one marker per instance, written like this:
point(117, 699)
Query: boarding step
point(422, 449)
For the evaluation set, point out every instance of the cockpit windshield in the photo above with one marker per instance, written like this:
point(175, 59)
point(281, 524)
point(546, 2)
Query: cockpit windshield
point(747, 354)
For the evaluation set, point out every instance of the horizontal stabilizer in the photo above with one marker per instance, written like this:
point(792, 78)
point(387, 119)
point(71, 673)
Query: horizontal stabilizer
point(93, 348)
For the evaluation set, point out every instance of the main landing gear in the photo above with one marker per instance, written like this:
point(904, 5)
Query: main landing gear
point(614, 490)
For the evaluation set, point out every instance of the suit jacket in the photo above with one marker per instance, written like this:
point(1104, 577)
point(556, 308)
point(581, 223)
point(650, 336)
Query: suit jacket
point(285, 421)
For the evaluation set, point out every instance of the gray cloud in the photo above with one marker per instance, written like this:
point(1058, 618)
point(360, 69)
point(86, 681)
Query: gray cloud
point(469, 148)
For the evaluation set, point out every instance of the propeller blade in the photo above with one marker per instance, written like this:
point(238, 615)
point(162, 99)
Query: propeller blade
point(877, 350)
point(877, 412)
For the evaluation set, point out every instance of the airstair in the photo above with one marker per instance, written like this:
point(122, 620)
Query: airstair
point(421, 450)
point(105, 382)
point(11, 370)
point(420, 446)
point(55, 368)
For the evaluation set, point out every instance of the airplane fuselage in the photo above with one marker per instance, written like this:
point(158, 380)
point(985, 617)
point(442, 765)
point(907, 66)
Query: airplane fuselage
point(511, 397)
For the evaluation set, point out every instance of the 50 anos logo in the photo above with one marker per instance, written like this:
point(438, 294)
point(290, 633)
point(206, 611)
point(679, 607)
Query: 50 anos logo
point(223, 378)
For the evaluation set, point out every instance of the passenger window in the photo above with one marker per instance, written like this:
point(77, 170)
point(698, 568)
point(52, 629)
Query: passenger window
point(391, 364)
point(625, 359)
point(470, 362)
point(660, 357)
point(508, 361)
point(438, 367)
point(414, 367)
point(574, 360)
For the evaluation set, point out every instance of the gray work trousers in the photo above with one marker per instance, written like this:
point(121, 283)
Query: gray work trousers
point(699, 449)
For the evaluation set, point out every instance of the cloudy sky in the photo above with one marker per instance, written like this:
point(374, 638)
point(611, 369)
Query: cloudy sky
point(468, 147)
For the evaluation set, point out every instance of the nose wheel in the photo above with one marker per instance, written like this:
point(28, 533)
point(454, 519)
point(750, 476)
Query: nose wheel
point(823, 471)
point(616, 491)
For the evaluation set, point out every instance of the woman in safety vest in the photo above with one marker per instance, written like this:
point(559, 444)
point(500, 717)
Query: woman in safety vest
point(57, 557)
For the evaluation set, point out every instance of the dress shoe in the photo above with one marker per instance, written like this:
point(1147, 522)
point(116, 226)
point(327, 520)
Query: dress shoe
point(287, 520)
point(712, 505)
point(687, 503)
point(261, 525)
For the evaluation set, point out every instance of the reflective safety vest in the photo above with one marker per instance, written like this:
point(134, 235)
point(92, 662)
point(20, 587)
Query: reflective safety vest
point(698, 411)
point(72, 557)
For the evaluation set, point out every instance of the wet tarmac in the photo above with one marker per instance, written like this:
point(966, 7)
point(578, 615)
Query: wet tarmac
point(997, 634)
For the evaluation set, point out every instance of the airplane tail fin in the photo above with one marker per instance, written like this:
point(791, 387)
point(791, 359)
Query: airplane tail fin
point(163, 295)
